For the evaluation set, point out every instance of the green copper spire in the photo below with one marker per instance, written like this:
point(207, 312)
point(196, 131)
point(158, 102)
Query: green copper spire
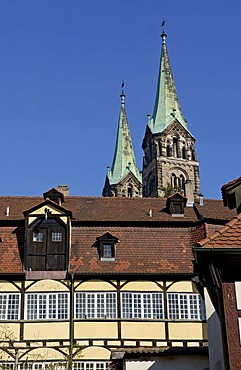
point(166, 107)
point(124, 158)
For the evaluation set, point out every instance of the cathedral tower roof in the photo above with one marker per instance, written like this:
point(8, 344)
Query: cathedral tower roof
point(124, 158)
point(167, 107)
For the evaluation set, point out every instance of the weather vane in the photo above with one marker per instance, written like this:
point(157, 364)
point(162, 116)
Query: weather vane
point(163, 24)
point(122, 86)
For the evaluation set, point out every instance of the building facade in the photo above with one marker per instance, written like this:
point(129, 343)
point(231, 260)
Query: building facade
point(217, 263)
point(90, 282)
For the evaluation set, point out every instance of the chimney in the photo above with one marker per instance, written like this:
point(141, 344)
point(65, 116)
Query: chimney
point(63, 189)
point(189, 193)
point(201, 199)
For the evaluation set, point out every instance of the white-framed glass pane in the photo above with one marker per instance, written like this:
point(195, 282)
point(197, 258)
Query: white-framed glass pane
point(142, 305)
point(185, 306)
point(9, 306)
point(95, 305)
point(47, 306)
point(37, 237)
point(56, 237)
point(107, 250)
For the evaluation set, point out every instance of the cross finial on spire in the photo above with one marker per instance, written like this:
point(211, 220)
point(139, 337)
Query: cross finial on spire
point(122, 95)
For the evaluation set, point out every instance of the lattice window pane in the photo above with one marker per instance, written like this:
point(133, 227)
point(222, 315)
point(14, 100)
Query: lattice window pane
point(56, 237)
point(173, 306)
point(194, 306)
point(80, 303)
point(62, 306)
point(3, 306)
point(91, 305)
point(126, 305)
point(183, 306)
point(147, 306)
point(157, 303)
point(47, 306)
point(111, 305)
point(32, 307)
point(42, 305)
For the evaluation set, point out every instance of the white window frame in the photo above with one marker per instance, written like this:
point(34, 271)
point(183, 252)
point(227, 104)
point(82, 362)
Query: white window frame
point(47, 306)
point(142, 305)
point(95, 305)
point(90, 365)
point(57, 365)
point(185, 306)
point(56, 236)
point(7, 308)
point(38, 237)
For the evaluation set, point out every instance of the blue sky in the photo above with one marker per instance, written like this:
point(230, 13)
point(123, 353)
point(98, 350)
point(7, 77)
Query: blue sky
point(61, 67)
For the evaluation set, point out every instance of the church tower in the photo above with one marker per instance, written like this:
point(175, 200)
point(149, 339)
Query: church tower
point(123, 178)
point(170, 159)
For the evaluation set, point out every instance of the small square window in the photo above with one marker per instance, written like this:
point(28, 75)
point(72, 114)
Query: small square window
point(37, 237)
point(56, 237)
point(107, 250)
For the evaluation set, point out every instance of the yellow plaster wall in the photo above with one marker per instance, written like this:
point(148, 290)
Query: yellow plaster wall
point(45, 331)
point(143, 330)
point(181, 286)
point(186, 331)
point(144, 286)
point(10, 330)
point(95, 330)
point(41, 210)
point(43, 354)
point(93, 353)
point(95, 285)
point(46, 285)
point(9, 287)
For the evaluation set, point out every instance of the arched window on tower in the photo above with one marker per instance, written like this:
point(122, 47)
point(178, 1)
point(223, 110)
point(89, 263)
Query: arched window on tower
point(130, 191)
point(194, 155)
point(181, 182)
point(169, 151)
point(173, 180)
point(183, 152)
point(175, 147)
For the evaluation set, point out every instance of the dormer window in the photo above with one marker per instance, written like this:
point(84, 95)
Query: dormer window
point(107, 247)
point(176, 204)
point(47, 241)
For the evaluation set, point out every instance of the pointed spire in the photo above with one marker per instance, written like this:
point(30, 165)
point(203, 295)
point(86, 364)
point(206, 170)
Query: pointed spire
point(166, 107)
point(124, 158)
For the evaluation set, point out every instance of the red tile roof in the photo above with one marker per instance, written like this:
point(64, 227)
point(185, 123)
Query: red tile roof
point(116, 209)
point(147, 244)
point(228, 236)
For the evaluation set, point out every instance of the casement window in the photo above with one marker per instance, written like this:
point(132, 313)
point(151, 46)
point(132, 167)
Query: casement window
point(44, 306)
point(95, 305)
point(91, 365)
point(142, 305)
point(77, 365)
point(185, 306)
point(9, 306)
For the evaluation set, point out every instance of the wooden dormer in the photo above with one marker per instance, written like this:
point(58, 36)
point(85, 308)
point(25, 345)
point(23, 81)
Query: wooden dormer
point(47, 240)
point(54, 195)
point(176, 204)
